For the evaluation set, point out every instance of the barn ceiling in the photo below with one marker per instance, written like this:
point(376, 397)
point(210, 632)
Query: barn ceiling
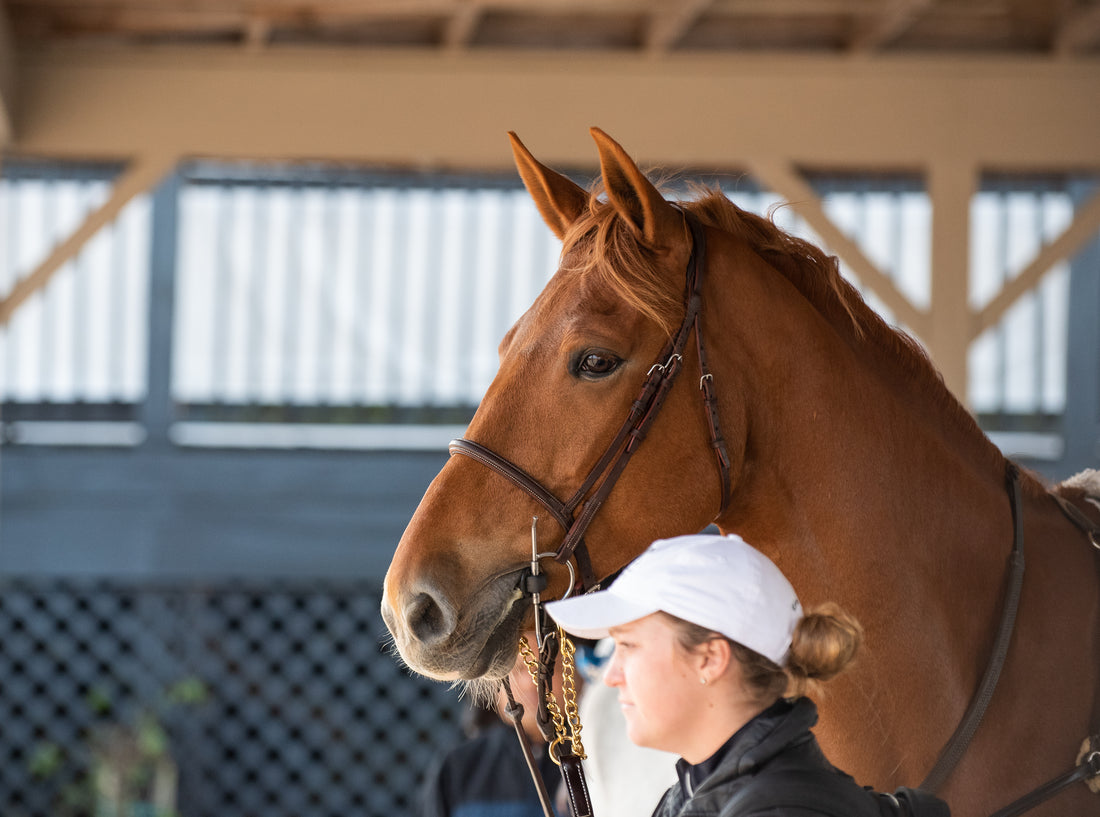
point(948, 89)
point(1063, 28)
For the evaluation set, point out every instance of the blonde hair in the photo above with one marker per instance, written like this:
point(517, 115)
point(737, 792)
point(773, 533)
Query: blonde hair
point(824, 644)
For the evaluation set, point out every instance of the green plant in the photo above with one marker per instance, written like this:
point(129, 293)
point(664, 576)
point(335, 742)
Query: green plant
point(123, 766)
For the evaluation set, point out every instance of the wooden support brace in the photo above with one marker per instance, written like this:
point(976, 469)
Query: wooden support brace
point(781, 177)
point(672, 22)
point(1085, 224)
point(1080, 27)
point(892, 21)
point(143, 173)
point(951, 187)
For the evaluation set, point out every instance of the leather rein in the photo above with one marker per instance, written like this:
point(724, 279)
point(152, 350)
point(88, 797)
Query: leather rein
point(644, 410)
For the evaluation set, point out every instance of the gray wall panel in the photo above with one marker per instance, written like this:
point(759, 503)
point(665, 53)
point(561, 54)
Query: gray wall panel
point(180, 513)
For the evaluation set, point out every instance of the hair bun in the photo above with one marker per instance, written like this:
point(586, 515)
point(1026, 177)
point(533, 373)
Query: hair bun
point(824, 643)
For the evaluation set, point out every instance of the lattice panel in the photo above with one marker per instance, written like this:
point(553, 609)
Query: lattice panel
point(305, 713)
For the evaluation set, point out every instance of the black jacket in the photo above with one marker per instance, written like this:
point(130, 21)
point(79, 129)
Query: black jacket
point(485, 777)
point(773, 766)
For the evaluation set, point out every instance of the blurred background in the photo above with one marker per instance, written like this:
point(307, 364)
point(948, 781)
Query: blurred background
point(255, 260)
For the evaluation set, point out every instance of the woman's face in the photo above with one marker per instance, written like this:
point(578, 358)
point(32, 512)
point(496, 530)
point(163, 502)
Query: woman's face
point(658, 683)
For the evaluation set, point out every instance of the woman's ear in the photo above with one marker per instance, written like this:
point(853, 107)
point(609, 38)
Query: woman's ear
point(715, 657)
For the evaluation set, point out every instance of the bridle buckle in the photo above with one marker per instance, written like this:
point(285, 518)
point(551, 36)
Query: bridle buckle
point(664, 368)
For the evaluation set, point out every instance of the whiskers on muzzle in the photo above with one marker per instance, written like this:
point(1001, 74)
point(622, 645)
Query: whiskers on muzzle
point(481, 692)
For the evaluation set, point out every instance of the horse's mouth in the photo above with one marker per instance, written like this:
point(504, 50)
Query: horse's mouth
point(498, 655)
point(484, 642)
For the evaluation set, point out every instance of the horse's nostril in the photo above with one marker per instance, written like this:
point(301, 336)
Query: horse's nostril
point(426, 619)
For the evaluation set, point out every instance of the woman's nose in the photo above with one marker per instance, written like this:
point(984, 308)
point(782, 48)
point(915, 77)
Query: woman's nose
point(613, 675)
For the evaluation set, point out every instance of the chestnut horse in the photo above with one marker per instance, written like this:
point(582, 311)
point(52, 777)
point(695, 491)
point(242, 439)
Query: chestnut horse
point(850, 464)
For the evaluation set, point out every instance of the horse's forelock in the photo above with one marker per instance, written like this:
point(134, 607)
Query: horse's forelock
point(604, 249)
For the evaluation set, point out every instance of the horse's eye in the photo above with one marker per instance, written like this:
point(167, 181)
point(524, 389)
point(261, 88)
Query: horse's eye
point(597, 364)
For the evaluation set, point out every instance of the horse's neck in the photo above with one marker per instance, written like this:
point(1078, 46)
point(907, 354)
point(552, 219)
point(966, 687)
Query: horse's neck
point(853, 476)
point(852, 463)
point(875, 498)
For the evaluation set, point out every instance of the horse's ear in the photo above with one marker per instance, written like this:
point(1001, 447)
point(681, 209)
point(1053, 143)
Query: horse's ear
point(658, 223)
point(560, 200)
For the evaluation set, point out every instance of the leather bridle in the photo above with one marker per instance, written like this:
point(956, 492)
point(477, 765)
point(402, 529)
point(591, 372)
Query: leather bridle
point(644, 410)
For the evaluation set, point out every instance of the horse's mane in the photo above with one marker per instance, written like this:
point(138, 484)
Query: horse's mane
point(605, 249)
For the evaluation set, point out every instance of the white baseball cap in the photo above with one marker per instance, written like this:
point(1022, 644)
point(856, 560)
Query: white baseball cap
point(717, 582)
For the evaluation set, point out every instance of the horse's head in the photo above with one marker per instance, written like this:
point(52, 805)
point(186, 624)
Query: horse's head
point(570, 369)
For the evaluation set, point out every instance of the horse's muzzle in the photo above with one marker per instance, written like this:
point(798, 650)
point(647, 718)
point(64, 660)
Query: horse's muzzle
point(452, 639)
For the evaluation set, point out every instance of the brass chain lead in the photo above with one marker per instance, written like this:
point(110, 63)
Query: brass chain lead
point(569, 693)
point(567, 728)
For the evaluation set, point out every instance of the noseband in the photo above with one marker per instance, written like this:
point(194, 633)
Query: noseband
point(605, 473)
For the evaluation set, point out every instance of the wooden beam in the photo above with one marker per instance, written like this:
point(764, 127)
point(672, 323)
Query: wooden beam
point(786, 181)
point(142, 174)
point(124, 13)
point(671, 23)
point(7, 78)
point(951, 186)
point(835, 112)
point(890, 23)
point(799, 8)
point(1083, 228)
point(1080, 27)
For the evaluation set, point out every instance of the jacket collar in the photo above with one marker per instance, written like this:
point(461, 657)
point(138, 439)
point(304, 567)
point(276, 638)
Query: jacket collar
point(784, 723)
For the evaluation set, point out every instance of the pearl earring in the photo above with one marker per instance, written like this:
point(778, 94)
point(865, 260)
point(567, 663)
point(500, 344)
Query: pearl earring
point(703, 681)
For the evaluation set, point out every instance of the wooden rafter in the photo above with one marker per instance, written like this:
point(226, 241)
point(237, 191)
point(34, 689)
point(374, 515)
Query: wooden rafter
point(865, 26)
point(1085, 225)
point(257, 33)
point(1080, 27)
point(781, 177)
point(141, 175)
point(7, 78)
point(462, 25)
point(896, 16)
point(671, 22)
